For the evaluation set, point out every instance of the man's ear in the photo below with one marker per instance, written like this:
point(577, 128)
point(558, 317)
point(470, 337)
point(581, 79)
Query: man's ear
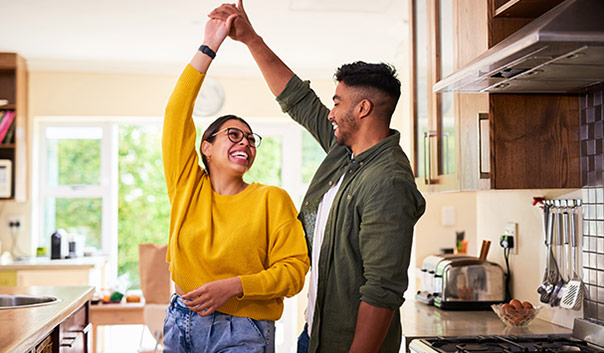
point(206, 149)
point(364, 108)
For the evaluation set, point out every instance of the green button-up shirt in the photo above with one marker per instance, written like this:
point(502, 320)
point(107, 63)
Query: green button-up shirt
point(369, 231)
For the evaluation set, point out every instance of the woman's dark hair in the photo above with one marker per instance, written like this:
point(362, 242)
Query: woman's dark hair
point(214, 128)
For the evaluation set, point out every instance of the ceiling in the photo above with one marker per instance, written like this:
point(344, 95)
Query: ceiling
point(160, 36)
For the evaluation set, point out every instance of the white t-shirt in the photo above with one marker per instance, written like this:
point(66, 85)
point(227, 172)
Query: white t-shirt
point(317, 241)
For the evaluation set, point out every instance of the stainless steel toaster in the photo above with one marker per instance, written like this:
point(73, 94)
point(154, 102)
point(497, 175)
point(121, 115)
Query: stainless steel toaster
point(468, 283)
point(428, 289)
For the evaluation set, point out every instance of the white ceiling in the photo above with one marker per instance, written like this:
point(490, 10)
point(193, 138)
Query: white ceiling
point(160, 35)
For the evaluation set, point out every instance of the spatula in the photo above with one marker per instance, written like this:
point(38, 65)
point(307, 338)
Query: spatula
point(573, 294)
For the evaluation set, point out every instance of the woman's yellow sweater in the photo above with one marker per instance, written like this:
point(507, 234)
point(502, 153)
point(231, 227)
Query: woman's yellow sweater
point(254, 234)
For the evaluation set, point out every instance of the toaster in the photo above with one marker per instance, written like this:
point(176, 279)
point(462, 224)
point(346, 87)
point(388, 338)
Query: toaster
point(428, 287)
point(468, 283)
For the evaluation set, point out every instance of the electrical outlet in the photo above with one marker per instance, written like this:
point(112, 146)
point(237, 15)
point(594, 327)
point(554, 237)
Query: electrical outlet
point(15, 222)
point(511, 231)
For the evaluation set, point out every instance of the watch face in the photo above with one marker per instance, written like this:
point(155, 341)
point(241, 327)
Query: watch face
point(210, 98)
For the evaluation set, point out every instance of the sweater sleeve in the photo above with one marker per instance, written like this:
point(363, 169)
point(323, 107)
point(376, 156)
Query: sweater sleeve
point(178, 136)
point(287, 257)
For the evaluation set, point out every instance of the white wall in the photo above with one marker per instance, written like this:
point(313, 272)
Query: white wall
point(484, 214)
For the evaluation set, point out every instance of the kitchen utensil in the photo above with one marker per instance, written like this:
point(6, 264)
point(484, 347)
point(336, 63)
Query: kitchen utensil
point(559, 257)
point(551, 269)
point(562, 258)
point(484, 249)
point(573, 295)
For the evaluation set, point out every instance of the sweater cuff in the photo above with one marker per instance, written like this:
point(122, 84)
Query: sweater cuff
point(251, 286)
point(294, 92)
point(191, 78)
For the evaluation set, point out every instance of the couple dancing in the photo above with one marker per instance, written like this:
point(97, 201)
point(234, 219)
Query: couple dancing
point(237, 249)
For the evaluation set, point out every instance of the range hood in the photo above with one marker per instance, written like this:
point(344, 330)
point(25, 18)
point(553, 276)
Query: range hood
point(562, 51)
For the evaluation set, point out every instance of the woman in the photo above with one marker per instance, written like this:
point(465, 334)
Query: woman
point(235, 249)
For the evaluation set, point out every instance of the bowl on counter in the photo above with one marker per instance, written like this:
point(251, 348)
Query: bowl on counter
point(515, 317)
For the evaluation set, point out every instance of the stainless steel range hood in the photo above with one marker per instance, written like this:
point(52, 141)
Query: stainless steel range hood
point(560, 52)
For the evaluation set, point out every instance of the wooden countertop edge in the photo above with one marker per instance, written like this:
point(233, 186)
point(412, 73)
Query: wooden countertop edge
point(45, 329)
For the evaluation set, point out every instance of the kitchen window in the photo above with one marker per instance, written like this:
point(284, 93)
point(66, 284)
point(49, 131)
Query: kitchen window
point(102, 181)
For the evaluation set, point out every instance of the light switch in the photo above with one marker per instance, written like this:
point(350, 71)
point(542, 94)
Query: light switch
point(447, 216)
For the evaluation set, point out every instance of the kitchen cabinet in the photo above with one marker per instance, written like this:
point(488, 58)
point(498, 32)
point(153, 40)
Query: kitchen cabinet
point(534, 138)
point(60, 327)
point(45, 272)
point(505, 141)
point(13, 88)
point(435, 134)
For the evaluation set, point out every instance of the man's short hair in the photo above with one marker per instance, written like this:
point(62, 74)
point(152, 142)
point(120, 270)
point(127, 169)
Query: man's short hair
point(378, 76)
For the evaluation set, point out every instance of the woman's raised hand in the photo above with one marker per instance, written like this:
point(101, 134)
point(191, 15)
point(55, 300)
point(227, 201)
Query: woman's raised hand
point(216, 31)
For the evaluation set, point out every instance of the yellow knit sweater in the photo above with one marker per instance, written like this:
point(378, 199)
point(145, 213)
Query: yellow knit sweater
point(254, 234)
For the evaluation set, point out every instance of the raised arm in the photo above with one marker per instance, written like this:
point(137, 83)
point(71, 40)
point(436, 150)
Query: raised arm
point(275, 72)
point(178, 136)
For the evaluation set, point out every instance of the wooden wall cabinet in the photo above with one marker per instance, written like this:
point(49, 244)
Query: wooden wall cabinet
point(503, 141)
point(13, 88)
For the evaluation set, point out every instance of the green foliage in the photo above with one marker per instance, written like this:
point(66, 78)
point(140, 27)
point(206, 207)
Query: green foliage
point(79, 161)
point(80, 216)
point(143, 205)
point(312, 156)
point(267, 165)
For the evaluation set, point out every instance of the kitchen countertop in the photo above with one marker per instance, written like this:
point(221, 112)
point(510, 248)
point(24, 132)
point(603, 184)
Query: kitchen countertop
point(421, 320)
point(22, 328)
point(47, 263)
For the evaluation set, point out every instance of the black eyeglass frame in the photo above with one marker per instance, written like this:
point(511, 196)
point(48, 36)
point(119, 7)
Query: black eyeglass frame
point(255, 143)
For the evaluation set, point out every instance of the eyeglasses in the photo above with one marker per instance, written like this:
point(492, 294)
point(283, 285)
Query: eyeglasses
point(236, 135)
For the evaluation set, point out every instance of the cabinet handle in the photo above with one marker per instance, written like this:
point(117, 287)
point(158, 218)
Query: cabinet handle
point(428, 157)
point(70, 341)
point(83, 330)
point(445, 161)
point(484, 155)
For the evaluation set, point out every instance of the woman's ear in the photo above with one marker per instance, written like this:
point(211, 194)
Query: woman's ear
point(206, 149)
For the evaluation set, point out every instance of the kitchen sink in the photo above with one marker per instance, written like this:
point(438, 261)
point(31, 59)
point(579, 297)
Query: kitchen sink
point(15, 301)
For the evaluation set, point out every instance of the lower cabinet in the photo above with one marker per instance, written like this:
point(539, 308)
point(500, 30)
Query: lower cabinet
point(73, 332)
point(70, 336)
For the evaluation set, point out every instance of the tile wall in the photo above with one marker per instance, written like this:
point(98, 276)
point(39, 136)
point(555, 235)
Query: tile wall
point(592, 176)
point(593, 253)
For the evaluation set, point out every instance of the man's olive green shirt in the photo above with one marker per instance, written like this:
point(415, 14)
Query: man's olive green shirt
point(369, 231)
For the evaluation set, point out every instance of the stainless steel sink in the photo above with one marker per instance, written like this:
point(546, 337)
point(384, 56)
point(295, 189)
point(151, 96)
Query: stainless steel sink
point(14, 301)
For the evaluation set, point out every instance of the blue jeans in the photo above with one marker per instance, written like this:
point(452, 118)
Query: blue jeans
point(303, 340)
point(186, 331)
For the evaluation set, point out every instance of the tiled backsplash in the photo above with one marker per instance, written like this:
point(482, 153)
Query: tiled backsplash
point(592, 177)
point(593, 253)
point(592, 137)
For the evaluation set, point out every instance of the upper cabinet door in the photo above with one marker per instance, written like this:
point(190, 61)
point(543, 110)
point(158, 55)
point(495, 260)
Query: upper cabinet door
point(435, 143)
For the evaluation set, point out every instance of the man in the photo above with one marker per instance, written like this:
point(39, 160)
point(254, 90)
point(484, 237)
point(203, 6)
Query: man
point(361, 206)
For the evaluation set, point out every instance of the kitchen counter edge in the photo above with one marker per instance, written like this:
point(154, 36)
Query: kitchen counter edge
point(46, 318)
